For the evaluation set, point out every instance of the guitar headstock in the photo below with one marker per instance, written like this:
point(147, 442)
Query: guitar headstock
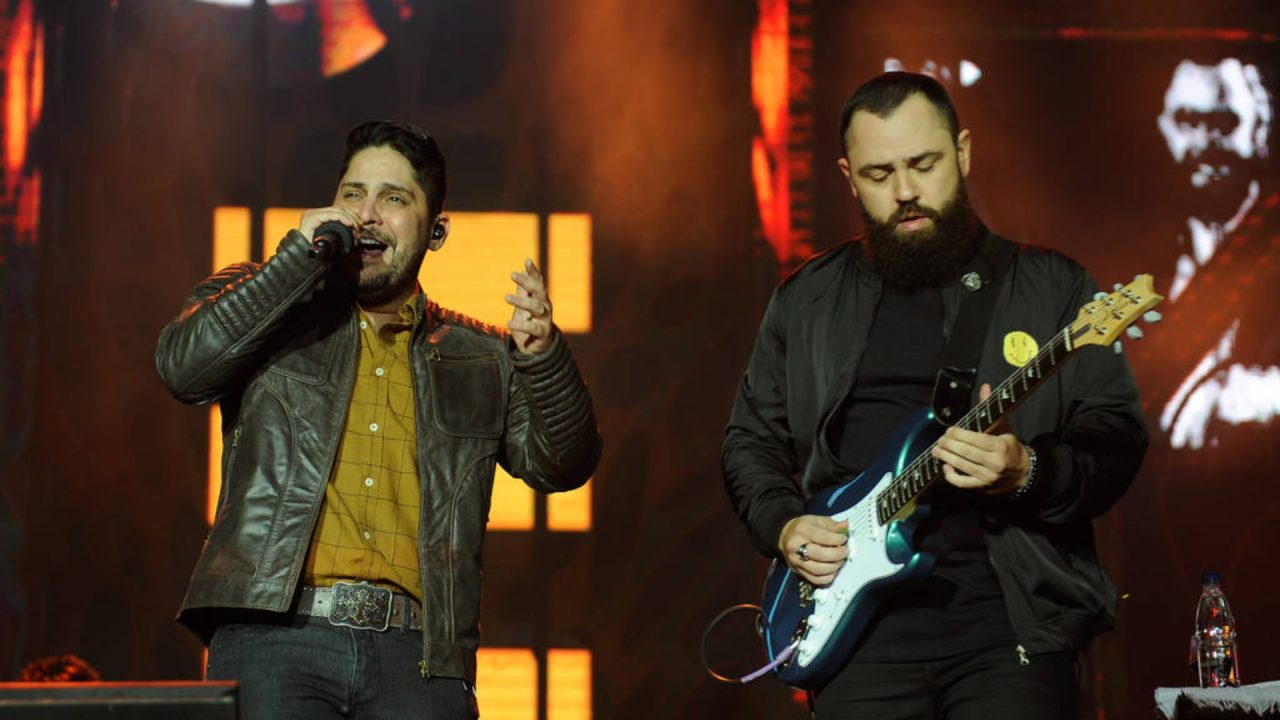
point(1101, 321)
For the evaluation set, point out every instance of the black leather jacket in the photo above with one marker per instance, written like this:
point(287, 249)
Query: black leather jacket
point(1085, 423)
point(277, 345)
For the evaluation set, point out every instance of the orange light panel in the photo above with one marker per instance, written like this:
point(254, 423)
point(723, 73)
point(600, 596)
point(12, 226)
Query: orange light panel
point(569, 258)
point(770, 68)
point(570, 511)
point(37, 77)
point(215, 463)
point(472, 272)
point(230, 236)
point(17, 98)
point(568, 684)
point(512, 505)
point(772, 216)
point(276, 223)
point(507, 684)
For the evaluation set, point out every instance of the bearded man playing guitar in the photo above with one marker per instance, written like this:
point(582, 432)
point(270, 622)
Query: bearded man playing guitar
point(984, 586)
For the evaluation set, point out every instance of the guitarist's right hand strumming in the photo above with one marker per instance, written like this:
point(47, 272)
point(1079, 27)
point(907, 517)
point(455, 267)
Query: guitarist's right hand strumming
point(815, 546)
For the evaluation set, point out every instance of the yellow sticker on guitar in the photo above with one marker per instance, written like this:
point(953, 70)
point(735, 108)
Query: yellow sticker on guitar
point(1019, 348)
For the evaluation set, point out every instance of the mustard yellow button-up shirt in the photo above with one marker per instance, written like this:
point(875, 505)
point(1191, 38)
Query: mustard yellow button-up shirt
point(368, 526)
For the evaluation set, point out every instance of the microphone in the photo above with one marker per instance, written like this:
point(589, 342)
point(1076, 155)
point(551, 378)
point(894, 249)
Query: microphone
point(331, 240)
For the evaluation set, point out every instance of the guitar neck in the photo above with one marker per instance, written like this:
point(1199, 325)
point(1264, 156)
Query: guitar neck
point(925, 469)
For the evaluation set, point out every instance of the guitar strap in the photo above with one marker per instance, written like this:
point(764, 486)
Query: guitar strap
point(953, 387)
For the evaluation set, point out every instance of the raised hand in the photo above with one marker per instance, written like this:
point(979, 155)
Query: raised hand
point(530, 322)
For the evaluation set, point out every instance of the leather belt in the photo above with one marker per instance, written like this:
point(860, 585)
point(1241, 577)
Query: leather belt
point(360, 605)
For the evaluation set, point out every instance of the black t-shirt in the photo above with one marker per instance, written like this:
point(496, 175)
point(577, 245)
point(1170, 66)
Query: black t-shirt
point(959, 607)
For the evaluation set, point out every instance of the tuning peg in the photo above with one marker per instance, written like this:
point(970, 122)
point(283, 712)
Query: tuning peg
point(1134, 332)
point(1118, 286)
point(1152, 316)
point(1118, 347)
point(1099, 295)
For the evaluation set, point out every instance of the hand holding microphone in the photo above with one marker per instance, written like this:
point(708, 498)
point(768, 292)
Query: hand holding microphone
point(331, 240)
point(331, 232)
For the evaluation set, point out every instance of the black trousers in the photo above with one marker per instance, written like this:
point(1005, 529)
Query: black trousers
point(990, 684)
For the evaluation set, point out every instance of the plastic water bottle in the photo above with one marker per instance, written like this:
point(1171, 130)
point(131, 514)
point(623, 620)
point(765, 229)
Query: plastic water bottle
point(1213, 644)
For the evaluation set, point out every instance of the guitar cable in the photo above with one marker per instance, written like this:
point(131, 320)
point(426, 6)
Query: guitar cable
point(759, 612)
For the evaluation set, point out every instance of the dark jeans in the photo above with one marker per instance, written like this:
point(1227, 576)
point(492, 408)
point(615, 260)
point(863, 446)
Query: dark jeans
point(984, 685)
point(311, 669)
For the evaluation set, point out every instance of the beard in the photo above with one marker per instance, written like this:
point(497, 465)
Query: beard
point(928, 257)
point(1217, 195)
point(394, 281)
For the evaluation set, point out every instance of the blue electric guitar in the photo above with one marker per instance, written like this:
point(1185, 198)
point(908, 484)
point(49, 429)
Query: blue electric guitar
point(810, 631)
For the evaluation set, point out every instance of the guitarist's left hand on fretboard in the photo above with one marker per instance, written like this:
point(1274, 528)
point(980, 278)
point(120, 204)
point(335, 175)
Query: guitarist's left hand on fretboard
point(995, 464)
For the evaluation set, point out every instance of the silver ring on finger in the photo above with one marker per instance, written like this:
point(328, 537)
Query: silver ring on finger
point(803, 551)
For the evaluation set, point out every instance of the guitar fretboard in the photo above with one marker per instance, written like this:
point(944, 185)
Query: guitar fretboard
point(925, 469)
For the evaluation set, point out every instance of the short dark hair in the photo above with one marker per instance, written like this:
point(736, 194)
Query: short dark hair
point(419, 148)
point(883, 94)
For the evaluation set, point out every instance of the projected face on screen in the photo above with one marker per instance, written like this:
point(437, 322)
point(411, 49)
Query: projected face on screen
point(1215, 115)
point(1216, 122)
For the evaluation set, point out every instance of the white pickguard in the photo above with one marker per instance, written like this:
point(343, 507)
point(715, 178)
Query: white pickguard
point(867, 562)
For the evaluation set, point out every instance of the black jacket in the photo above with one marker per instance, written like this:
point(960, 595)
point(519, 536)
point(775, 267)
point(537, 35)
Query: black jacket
point(1085, 423)
point(277, 346)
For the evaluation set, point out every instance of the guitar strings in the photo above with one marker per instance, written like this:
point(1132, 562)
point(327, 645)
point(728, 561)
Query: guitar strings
point(931, 465)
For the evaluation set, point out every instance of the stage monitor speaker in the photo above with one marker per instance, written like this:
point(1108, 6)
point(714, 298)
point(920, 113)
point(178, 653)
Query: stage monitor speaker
point(118, 701)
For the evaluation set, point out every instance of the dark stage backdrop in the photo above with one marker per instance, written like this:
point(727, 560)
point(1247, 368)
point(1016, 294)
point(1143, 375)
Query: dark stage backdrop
point(640, 115)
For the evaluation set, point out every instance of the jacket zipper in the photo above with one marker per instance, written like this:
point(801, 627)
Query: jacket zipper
point(1022, 651)
point(231, 457)
point(433, 354)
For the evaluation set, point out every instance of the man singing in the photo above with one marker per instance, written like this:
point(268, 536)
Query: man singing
point(850, 344)
point(362, 423)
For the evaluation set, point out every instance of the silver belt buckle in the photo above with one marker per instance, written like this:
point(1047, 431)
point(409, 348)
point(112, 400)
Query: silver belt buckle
point(361, 606)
